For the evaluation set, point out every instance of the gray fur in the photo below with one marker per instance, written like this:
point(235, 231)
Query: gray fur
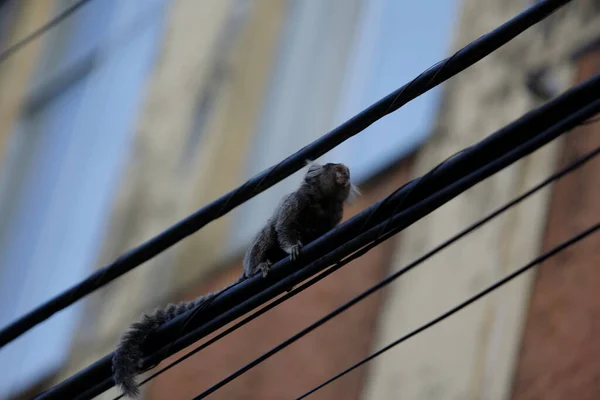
point(301, 217)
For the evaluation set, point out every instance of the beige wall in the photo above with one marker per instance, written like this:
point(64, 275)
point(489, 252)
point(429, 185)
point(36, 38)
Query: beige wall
point(472, 355)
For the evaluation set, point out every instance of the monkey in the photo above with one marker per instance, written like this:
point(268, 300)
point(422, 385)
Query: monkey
point(302, 216)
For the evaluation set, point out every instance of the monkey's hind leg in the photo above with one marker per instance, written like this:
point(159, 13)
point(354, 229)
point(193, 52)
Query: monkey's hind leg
point(264, 267)
point(256, 259)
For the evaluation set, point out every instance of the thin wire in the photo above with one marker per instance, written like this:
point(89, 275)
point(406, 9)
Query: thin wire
point(557, 175)
point(379, 285)
point(462, 305)
point(49, 25)
point(466, 57)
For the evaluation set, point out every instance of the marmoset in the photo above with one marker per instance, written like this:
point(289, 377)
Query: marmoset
point(302, 216)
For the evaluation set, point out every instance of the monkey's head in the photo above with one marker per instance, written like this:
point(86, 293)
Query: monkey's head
point(331, 180)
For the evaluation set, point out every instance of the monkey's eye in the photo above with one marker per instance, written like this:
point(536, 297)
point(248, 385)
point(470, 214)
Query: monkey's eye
point(342, 169)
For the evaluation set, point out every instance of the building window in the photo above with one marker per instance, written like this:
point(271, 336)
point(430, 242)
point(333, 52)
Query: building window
point(62, 168)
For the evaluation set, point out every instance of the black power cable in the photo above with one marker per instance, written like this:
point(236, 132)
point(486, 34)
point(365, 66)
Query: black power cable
point(399, 222)
point(557, 175)
point(461, 60)
point(239, 300)
point(49, 25)
point(462, 305)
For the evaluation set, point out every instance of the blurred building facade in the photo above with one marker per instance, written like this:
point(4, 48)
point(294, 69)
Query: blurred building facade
point(126, 118)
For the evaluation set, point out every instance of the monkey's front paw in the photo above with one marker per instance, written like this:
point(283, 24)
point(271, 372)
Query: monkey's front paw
point(264, 267)
point(295, 251)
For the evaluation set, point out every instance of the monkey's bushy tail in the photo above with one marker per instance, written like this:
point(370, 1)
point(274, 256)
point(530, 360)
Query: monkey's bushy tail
point(128, 358)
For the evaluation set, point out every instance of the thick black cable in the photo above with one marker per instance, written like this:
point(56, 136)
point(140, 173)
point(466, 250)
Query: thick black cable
point(398, 222)
point(49, 25)
point(462, 305)
point(236, 303)
point(557, 175)
point(461, 60)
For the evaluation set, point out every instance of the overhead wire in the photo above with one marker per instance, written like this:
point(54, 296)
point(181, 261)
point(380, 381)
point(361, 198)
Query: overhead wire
point(461, 60)
point(557, 175)
point(398, 222)
point(45, 28)
point(462, 305)
point(229, 307)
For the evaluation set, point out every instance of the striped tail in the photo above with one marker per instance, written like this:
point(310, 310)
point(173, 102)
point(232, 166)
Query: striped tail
point(128, 358)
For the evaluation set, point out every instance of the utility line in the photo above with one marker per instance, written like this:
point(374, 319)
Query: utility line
point(462, 305)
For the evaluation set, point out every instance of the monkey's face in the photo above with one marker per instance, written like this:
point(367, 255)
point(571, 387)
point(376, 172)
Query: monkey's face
point(331, 179)
point(335, 177)
point(341, 174)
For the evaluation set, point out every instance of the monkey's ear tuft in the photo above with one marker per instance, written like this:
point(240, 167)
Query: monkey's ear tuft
point(314, 169)
point(354, 193)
